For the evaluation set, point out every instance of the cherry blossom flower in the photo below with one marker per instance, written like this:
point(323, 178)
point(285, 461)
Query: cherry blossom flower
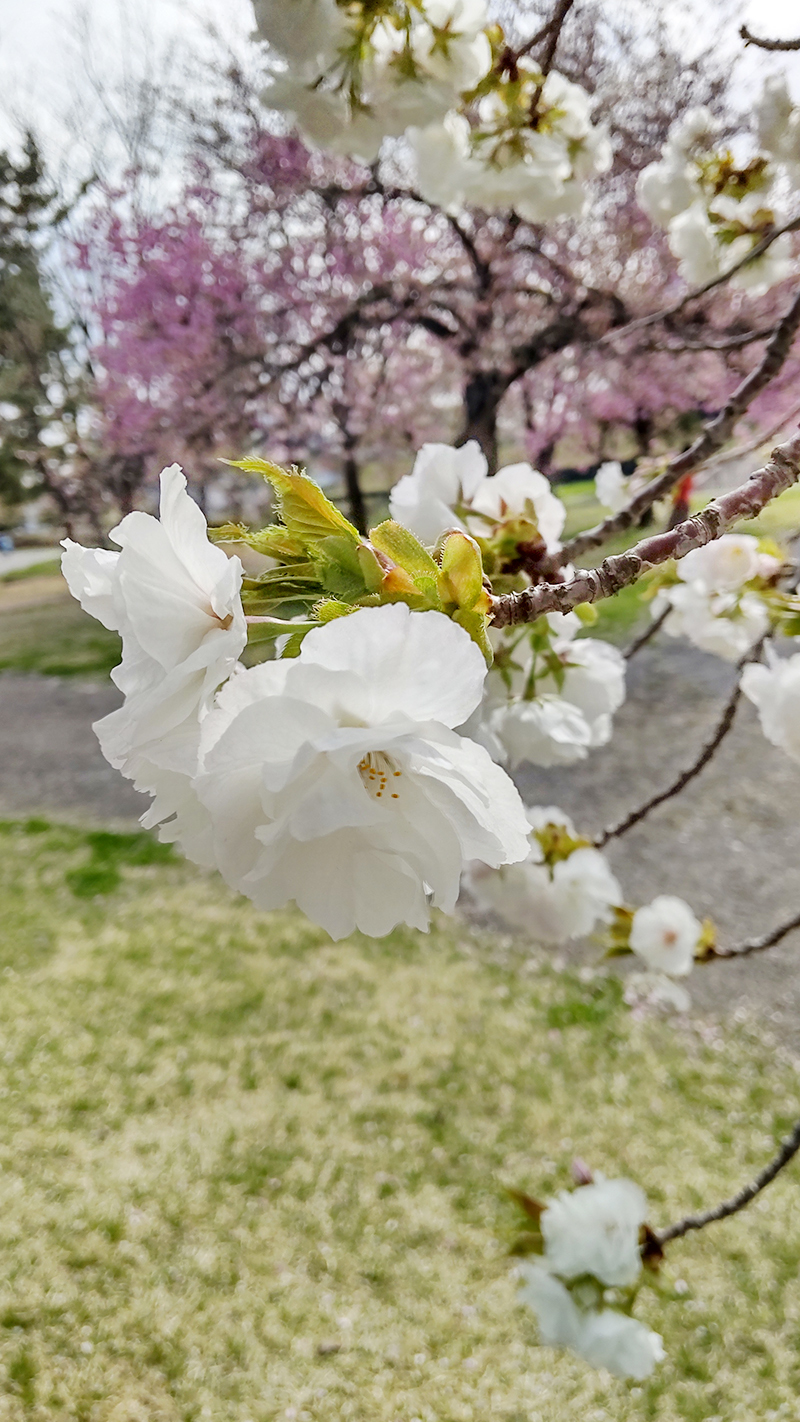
point(443, 480)
point(775, 690)
point(335, 779)
point(725, 624)
point(725, 564)
point(551, 903)
point(611, 486)
point(595, 1230)
point(664, 934)
point(174, 599)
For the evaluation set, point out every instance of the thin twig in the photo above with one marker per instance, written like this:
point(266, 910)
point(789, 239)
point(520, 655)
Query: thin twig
point(789, 1148)
point(715, 434)
point(641, 322)
point(776, 44)
point(649, 632)
point(688, 775)
point(623, 569)
point(757, 945)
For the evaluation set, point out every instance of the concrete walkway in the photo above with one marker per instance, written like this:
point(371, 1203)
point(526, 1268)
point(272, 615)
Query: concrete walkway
point(18, 558)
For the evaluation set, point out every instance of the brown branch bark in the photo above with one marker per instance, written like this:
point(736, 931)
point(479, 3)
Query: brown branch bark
point(715, 434)
point(757, 945)
point(776, 44)
point(593, 584)
point(649, 632)
point(642, 322)
point(788, 1150)
point(686, 776)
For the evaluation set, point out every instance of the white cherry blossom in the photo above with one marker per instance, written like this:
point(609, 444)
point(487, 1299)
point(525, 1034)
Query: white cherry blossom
point(174, 599)
point(443, 479)
point(551, 904)
point(595, 1230)
point(723, 565)
point(546, 730)
point(611, 486)
point(335, 779)
point(664, 934)
point(724, 624)
point(775, 690)
point(627, 1348)
point(519, 491)
point(603, 1338)
point(304, 31)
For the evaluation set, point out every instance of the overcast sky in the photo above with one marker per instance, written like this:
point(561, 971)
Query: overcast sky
point(40, 69)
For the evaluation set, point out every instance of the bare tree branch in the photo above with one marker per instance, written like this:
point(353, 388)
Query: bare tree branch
point(642, 321)
point(776, 44)
point(788, 1150)
point(757, 945)
point(649, 631)
point(715, 434)
point(688, 775)
point(593, 584)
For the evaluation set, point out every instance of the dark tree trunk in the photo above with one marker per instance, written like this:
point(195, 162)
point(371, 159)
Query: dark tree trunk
point(355, 496)
point(482, 395)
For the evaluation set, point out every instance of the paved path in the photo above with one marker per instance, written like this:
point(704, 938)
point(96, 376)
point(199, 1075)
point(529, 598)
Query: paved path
point(730, 844)
point(18, 558)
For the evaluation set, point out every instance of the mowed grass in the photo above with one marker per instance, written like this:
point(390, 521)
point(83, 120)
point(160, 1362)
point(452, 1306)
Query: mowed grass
point(56, 638)
point(246, 1173)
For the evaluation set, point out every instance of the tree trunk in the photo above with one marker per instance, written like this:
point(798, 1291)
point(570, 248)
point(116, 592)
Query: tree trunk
point(482, 395)
point(355, 497)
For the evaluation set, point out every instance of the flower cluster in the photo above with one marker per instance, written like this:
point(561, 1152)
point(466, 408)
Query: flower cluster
point(452, 488)
point(356, 73)
point(583, 1284)
point(719, 601)
point(333, 778)
point(775, 690)
point(562, 890)
point(550, 695)
point(532, 148)
point(611, 486)
point(714, 211)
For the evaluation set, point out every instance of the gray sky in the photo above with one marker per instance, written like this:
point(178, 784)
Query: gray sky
point(41, 72)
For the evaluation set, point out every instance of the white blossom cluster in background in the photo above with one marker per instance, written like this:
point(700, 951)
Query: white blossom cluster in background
point(502, 160)
point(353, 77)
point(715, 211)
point(550, 696)
point(354, 74)
point(720, 601)
point(334, 779)
point(565, 890)
point(583, 1284)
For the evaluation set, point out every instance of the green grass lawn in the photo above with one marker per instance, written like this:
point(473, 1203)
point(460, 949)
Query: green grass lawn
point(246, 1173)
point(58, 639)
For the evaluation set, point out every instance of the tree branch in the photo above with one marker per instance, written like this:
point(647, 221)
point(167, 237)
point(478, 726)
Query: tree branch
point(650, 631)
point(687, 776)
point(757, 945)
point(593, 584)
point(643, 321)
point(713, 437)
point(777, 44)
point(788, 1150)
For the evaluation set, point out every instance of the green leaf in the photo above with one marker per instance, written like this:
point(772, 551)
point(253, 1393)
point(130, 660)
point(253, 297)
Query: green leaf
point(461, 578)
point(338, 566)
point(329, 609)
point(308, 515)
point(274, 541)
point(477, 624)
point(399, 544)
point(268, 629)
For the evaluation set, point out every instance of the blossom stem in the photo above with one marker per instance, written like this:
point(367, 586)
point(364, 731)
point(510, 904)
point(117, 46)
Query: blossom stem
point(714, 435)
point(781, 45)
point(623, 569)
point(649, 631)
point(686, 777)
point(788, 1150)
point(757, 945)
point(640, 323)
